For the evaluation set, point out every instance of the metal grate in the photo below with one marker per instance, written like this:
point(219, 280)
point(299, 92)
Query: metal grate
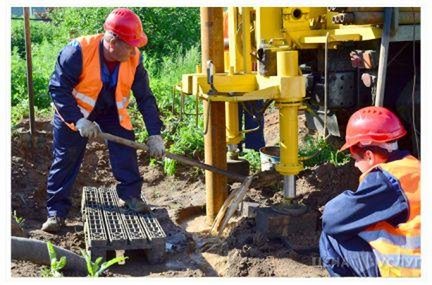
point(107, 226)
point(113, 221)
point(94, 223)
point(134, 229)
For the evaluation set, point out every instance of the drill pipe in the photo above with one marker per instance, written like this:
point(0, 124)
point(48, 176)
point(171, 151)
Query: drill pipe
point(374, 18)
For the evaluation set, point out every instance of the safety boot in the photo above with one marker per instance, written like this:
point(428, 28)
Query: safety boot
point(135, 204)
point(53, 224)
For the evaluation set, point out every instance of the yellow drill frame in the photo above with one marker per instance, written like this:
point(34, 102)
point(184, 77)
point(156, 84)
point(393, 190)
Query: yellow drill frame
point(286, 30)
point(287, 89)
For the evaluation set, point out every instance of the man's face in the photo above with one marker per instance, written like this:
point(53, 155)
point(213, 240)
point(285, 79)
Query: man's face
point(120, 50)
point(362, 163)
point(367, 160)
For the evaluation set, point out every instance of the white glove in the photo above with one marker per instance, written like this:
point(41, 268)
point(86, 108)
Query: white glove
point(87, 129)
point(156, 146)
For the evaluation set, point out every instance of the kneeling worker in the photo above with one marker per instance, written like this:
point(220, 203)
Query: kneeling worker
point(375, 231)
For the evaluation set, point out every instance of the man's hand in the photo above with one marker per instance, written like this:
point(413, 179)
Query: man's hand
point(87, 129)
point(156, 146)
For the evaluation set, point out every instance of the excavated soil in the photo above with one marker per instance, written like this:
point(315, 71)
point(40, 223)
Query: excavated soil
point(191, 251)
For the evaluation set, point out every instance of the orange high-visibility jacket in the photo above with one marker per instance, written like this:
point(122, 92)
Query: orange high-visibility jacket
point(397, 248)
point(90, 83)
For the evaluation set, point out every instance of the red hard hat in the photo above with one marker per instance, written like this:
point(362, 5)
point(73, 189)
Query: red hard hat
point(373, 125)
point(127, 26)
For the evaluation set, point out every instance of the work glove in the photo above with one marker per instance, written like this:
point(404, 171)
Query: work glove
point(156, 146)
point(87, 129)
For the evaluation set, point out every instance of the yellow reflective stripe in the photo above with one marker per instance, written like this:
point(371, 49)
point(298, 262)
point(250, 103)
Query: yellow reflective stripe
point(83, 97)
point(396, 271)
point(412, 227)
point(409, 242)
point(399, 260)
point(388, 248)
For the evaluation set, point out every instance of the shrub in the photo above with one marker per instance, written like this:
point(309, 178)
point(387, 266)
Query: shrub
point(39, 32)
point(44, 56)
point(317, 151)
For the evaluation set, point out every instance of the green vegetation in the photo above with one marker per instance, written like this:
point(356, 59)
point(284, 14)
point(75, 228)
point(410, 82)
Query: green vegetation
point(254, 159)
point(19, 220)
point(55, 264)
point(95, 269)
point(317, 151)
point(173, 50)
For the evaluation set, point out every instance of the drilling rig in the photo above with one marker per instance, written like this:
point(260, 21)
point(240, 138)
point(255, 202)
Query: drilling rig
point(325, 61)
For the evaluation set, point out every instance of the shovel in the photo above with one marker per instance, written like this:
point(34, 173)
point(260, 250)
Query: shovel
point(231, 203)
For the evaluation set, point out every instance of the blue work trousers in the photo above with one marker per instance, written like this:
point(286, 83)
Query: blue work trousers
point(352, 257)
point(253, 119)
point(68, 152)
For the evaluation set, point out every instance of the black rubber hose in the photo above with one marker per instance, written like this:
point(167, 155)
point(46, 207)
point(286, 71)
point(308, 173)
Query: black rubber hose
point(36, 251)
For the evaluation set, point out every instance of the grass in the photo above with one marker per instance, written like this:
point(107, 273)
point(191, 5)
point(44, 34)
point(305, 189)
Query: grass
point(19, 220)
point(316, 151)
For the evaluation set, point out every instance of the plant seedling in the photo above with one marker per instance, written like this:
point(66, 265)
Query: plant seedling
point(95, 269)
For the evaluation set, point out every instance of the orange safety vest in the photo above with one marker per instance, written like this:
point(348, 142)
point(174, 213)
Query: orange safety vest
point(90, 83)
point(397, 248)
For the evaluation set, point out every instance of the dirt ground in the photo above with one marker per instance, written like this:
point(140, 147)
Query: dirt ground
point(178, 201)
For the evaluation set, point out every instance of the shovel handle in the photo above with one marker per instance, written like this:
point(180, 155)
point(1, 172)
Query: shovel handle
point(123, 141)
point(192, 162)
point(179, 158)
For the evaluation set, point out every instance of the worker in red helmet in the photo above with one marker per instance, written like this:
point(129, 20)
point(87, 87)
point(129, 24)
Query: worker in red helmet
point(92, 81)
point(375, 231)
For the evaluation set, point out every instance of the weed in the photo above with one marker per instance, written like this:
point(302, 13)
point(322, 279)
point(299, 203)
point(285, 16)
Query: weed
point(19, 220)
point(95, 269)
point(55, 265)
point(317, 151)
point(184, 139)
point(253, 157)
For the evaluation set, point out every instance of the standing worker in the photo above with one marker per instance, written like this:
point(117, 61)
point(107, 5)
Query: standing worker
point(91, 83)
point(375, 231)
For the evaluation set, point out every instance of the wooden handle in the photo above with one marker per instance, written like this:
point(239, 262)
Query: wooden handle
point(176, 157)
point(123, 141)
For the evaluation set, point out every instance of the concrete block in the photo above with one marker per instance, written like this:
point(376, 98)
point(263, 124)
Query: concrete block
point(248, 209)
point(273, 224)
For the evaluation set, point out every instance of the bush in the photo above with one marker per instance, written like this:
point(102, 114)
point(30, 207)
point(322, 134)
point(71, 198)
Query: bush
point(165, 76)
point(39, 32)
point(173, 50)
point(44, 57)
point(165, 38)
point(170, 29)
point(317, 151)
point(78, 21)
point(182, 135)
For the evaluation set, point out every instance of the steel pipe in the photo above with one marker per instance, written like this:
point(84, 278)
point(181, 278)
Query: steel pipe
point(289, 186)
point(382, 66)
point(369, 9)
point(374, 18)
